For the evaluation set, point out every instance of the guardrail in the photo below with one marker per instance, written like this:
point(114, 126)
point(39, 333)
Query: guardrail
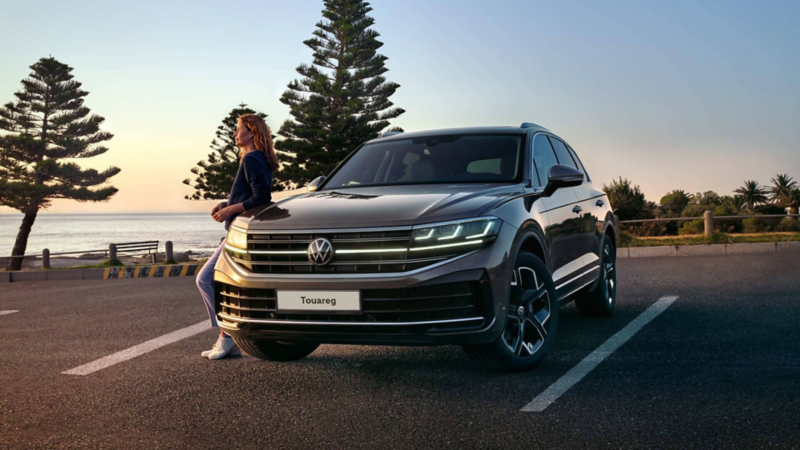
point(708, 219)
point(148, 247)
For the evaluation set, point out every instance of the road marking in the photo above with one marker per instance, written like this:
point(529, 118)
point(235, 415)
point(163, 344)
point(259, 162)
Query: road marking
point(3, 313)
point(138, 350)
point(577, 373)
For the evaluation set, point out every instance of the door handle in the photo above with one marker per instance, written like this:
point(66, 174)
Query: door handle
point(577, 209)
point(599, 203)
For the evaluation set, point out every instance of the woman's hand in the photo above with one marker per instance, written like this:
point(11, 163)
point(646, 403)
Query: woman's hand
point(223, 214)
point(219, 206)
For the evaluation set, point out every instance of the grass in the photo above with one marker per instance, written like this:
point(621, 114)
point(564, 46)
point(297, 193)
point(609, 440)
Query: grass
point(106, 263)
point(629, 240)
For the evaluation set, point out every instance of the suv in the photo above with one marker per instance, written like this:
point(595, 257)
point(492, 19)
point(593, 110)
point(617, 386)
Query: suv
point(473, 237)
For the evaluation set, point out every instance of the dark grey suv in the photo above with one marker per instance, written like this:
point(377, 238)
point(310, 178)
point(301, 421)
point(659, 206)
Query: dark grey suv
point(472, 237)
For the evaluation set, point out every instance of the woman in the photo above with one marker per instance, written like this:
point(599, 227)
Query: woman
point(251, 188)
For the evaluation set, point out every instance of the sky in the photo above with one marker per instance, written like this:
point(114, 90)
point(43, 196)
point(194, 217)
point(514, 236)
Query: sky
point(692, 95)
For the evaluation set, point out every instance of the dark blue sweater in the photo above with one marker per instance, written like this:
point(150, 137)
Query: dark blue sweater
point(251, 187)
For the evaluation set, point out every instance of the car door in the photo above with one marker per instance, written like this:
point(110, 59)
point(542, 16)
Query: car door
point(590, 203)
point(563, 228)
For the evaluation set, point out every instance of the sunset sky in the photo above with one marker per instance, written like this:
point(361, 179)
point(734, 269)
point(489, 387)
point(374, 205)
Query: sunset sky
point(672, 95)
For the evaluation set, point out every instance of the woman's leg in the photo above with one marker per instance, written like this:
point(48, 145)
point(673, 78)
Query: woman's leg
point(205, 283)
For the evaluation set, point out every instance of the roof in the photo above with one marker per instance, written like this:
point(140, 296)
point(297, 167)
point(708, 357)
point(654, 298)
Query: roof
point(467, 130)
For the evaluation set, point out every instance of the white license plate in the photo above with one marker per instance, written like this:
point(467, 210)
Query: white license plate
point(319, 301)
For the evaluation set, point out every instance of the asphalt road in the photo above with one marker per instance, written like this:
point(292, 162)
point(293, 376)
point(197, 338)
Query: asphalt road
point(719, 368)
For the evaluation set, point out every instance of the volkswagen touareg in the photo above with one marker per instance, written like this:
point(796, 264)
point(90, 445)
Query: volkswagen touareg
point(472, 237)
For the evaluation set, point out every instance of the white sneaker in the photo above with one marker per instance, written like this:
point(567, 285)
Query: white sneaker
point(226, 348)
point(214, 348)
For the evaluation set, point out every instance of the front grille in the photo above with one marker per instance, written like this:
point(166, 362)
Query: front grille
point(386, 262)
point(458, 300)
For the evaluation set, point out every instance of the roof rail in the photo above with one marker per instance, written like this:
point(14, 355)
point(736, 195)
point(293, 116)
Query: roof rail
point(390, 133)
point(528, 125)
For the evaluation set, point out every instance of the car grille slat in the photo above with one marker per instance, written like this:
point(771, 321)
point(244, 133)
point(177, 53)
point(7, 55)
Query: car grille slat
point(459, 300)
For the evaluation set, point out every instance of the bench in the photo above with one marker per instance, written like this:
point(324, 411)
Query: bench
point(151, 247)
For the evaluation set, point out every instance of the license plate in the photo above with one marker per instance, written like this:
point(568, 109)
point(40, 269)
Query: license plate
point(319, 301)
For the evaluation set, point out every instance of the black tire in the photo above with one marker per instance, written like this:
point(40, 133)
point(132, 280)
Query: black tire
point(602, 298)
point(532, 294)
point(275, 350)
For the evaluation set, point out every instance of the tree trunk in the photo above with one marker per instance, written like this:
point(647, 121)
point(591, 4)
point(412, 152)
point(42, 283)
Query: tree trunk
point(22, 237)
point(793, 210)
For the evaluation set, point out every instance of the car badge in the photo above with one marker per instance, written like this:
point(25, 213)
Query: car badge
point(320, 251)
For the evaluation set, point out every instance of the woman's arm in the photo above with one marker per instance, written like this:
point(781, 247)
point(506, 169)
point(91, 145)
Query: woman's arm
point(259, 177)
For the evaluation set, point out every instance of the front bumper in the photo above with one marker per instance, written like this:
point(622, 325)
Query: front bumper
point(458, 301)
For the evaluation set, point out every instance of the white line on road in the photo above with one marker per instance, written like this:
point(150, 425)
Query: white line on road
point(138, 350)
point(3, 313)
point(577, 373)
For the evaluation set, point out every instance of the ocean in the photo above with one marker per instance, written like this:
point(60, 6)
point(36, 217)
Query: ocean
point(197, 232)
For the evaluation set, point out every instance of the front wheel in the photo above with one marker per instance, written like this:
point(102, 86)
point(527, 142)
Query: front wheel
point(276, 350)
point(531, 320)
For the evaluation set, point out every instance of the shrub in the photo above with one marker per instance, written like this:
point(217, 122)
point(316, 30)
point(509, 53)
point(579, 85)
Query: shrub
point(789, 224)
point(625, 238)
point(754, 225)
point(692, 227)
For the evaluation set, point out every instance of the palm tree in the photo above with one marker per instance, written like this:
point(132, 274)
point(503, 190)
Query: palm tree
point(782, 185)
point(752, 193)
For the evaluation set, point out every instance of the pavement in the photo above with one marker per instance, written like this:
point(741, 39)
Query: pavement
point(719, 367)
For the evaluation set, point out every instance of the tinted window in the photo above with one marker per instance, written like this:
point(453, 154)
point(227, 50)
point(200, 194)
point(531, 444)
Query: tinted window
point(564, 158)
point(433, 159)
point(580, 164)
point(543, 157)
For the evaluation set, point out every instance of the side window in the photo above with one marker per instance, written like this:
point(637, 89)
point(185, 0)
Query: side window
point(543, 158)
point(580, 164)
point(564, 158)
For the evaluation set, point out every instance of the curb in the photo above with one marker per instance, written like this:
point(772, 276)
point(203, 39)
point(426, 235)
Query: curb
point(108, 273)
point(708, 250)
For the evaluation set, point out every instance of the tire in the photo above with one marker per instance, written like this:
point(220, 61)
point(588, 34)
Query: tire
point(276, 350)
point(533, 309)
point(602, 298)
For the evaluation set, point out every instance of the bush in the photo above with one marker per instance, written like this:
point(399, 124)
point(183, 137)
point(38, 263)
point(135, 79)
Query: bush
point(754, 225)
point(789, 224)
point(692, 227)
point(625, 238)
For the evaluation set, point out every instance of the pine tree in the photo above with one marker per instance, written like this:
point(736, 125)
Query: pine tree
point(215, 176)
point(342, 99)
point(48, 122)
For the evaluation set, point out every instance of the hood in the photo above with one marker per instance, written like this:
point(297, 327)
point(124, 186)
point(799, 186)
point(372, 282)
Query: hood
point(381, 206)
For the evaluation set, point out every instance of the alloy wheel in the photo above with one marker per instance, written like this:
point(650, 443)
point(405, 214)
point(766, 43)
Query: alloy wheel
point(609, 274)
point(528, 312)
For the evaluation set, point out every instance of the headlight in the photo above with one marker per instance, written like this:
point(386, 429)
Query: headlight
point(463, 234)
point(236, 239)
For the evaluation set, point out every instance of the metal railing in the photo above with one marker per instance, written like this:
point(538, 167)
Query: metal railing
point(708, 219)
point(144, 247)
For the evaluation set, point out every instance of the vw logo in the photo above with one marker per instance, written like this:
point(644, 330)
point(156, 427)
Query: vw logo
point(320, 251)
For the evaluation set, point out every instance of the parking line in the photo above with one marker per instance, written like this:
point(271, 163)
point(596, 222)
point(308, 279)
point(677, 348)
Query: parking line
point(3, 313)
point(138, 350)
point(577, 373)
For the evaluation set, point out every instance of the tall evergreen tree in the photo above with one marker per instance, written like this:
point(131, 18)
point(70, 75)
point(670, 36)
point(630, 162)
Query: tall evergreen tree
point(215, 176)
point(48, 122)
point(342, 99)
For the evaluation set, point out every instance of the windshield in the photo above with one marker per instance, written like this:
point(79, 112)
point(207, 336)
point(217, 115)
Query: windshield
point(433, 159)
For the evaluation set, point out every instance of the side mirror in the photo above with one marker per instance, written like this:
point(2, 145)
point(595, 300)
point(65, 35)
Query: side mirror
point(315, 183)
point(561, 177)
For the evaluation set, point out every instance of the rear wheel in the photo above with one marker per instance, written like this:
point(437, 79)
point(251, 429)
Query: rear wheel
point(602, 300)
point(276, 350)
point(531, 320)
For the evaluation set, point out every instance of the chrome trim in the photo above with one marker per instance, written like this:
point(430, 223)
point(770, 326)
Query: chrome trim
point(571, 267)
point(577, 289)
point(579, 276)
point(316, 276)
point(458, 244)
point(358, 324)
point(341, 263)
point(372, 250)
point(329, 230)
